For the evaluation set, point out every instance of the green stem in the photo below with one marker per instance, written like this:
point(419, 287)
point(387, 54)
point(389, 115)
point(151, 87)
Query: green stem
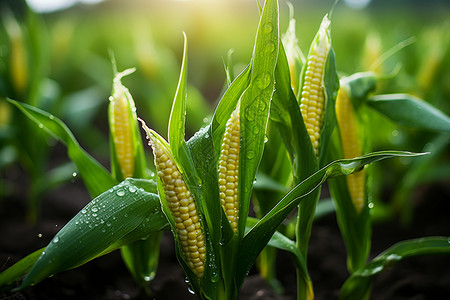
point(304, 288)
point(305, 219)
point(304, 225)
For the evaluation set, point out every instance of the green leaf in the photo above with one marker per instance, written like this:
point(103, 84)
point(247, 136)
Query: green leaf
point(285, 113)
point(357, 286)
point(227, 105)
point(282, 242)
point(113, 215)
point(407, 110)
point(141, 258)
point(255, 102)
point(10, 276)
point(96, 178)
point(258, 236)
point(360, 86)
point(331, 83)
point(177, 120)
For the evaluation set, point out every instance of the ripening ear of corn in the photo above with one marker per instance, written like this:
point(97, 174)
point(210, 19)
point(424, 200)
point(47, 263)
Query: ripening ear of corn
point(312, 101)
point(121, 104)
point(18, 55)
point(182, 206)
point(229, 170)
point(351, 145)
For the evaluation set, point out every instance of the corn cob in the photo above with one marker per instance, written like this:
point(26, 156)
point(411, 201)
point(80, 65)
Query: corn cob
point(121, 123)
point(229, 170)
point(312, 101)
point(351, 146)
point(182, 208)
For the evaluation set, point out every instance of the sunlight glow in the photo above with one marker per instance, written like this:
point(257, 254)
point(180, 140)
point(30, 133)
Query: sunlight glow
point(53, 5)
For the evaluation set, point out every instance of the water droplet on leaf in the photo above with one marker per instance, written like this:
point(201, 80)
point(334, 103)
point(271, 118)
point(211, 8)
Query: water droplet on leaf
point(263, 81)
point(270, 47)
point(250, 154)
point(267, 28)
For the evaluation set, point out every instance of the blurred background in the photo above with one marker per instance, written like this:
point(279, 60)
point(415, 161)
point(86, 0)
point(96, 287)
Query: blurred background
point(55, 55)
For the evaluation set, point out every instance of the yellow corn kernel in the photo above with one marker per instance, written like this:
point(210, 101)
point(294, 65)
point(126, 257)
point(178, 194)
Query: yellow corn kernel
point(348, 126)
point(183, 209)
point(312, 100)
point(229, 170)
point(121, 123)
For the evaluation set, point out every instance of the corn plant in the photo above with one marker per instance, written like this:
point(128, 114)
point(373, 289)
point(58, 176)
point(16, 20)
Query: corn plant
point(23, 76)
point(203, 186)
point(350, 193)
point(128, 160)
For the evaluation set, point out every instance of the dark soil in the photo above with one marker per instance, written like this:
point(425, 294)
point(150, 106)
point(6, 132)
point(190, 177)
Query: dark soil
point(107, 278)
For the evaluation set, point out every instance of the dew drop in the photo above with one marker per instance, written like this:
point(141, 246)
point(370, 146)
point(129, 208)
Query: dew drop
point(94, 209)
point(214, 276)
point(94, 214)
point(39, 235)
point(83, 211)
point(103, 229)
point(267, 28)
point(249, 115)
point(147, 278)
point(250, 154)
point(41, 125)
point(261, 106)
point(51, 117)
point(132, 188)
point(270, 47)
point(190, 290)
point(255, 129)
point(108, 224)
point(55, 240)
point(74, 174)
point(263, 81)
point(120, 193)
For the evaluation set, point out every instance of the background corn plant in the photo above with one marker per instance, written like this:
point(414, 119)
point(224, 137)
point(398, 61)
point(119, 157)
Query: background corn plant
point(221, 114)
